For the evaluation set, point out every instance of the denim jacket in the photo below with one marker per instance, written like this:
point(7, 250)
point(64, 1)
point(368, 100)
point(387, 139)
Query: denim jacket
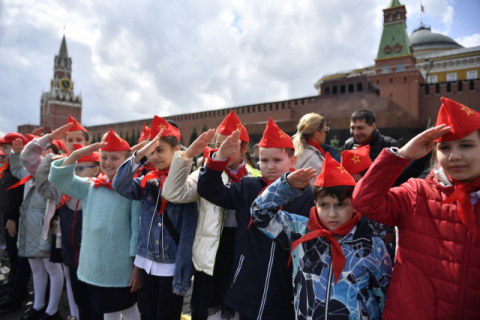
point(154, 241)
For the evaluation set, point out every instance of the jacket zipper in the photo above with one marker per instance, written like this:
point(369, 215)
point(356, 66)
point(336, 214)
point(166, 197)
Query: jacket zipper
point(267, 280)
point(468, 248)
point(240, 263)
point(329, 283)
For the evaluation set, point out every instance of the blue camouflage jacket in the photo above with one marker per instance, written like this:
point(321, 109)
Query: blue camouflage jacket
point(361, 290)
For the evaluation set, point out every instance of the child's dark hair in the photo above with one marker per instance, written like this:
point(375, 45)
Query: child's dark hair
point(339, 192)
point(54, 148)
point(171, 141)
point(290, 152)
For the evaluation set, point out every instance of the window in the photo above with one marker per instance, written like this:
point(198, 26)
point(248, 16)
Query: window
point(427, 90)
point(359, 87)
point(452, 76)
point(334, 90)
point(351, 88)
point(437, 89)
point(471, 86)
point(432, 79)
point(387, 50)
point(342, 88)
point(449, 87)
point(400, 66)
point(385, 69)
point(472, 74)
point(327, 91)
point(460, 86)
point(389, 17)
point(391, 80)
point(398, 15)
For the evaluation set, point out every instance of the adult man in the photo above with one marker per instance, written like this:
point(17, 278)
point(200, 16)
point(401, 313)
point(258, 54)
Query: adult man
point(364, 131)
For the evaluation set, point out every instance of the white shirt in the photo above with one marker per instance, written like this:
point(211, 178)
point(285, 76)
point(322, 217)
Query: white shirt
point(152, 267)
point(351, 232)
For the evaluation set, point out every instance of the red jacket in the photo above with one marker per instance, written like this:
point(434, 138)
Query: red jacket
point(437, 272)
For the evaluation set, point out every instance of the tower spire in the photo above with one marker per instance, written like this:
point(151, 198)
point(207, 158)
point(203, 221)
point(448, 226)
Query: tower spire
point(394, 4)
point(63, 53)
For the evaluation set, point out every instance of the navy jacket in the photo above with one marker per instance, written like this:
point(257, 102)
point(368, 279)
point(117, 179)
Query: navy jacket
point(11, 200)
point(261, 283)
point(71, 227)
point(154, 241)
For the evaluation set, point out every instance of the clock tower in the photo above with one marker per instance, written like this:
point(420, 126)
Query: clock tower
point(60, 101)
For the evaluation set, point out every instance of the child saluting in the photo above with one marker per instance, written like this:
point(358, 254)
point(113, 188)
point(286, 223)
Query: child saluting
point(339, 269)
point(260, 282)
point(437, 270)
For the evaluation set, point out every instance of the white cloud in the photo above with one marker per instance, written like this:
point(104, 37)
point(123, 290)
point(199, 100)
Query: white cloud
point(135, 59)
point(469, 41)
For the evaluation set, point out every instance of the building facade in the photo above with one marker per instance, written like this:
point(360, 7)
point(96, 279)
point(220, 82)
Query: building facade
point(402, 87)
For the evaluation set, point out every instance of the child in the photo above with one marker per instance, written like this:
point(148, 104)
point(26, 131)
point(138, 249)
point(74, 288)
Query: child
point(76, 135)
point(357, 162)
point(261, 287)
point(167, 230)
point(339, 270)
point(436, 274)
point(215, 235)
point(31, 244)
point(109, 232)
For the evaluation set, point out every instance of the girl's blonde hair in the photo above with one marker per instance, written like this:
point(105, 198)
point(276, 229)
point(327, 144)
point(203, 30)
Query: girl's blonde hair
point(307, 126)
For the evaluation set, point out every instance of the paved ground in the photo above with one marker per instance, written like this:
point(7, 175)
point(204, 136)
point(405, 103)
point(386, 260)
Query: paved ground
point(63, 306)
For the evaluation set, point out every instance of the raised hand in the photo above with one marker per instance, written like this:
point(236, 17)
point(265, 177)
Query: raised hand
point(38, 132)
point(148, 148)
point(230, 146)
point(423, 143)
point(139, 146)
point(299, 179)
point(17, 145)
point(60, 133)
point(197, 147)
point(85, 151)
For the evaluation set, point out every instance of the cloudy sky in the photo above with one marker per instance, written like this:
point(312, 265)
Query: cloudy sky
point(134, 59)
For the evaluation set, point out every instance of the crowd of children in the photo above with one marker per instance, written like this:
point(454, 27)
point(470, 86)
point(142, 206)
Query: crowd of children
point(284, 241)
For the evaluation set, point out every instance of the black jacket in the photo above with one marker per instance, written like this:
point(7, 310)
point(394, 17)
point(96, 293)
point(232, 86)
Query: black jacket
point(377, 144)
point(261, 283)
point(10, 201)
point(71, 226)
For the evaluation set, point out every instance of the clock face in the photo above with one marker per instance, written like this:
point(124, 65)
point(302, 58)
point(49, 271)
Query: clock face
point(65, 84)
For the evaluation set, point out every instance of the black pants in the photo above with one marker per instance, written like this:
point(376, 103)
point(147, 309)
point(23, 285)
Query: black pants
point(83, 297)
point(20, 271)
point(163, 304)
point(243, 317)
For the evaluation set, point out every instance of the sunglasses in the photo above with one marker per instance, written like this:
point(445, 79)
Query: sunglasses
point(79, 169)
point(327, 130)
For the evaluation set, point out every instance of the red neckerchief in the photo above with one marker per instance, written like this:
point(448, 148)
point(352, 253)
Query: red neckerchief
point(316, 146)
point(23, 181)
point(465, 208)
point(4, 168)
point(368, 141)
point(65, 198)
point(101, 181)
point(317, 230)
point(240, 174)
point(147, 166)
point(261, 191)
point(162, 174)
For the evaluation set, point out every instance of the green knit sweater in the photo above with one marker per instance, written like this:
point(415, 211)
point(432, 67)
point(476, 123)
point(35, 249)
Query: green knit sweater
point(110, 229)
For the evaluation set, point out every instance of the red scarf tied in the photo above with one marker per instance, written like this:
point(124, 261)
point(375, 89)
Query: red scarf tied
point(465, 208)
point(162, 174)
point(23, 181)
point(64, 200)
point(4, 168)
point(101, 181)
point(316, 146)
point(147, 166)
point(317, 230)
point(238, 176)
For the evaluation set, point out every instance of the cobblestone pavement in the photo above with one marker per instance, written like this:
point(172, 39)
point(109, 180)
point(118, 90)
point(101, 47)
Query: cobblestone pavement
point(63, 306)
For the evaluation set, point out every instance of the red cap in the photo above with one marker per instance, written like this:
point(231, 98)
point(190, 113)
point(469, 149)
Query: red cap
point(168, 130)
point(145, 133)
point(273, 137)
point(333, 174)
point(76, 125)
point(93, 157)
point(9, 138)
point(460, 118)
point(115, 143)
point(357, 160)
point(232, 123)
point(30, 137)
